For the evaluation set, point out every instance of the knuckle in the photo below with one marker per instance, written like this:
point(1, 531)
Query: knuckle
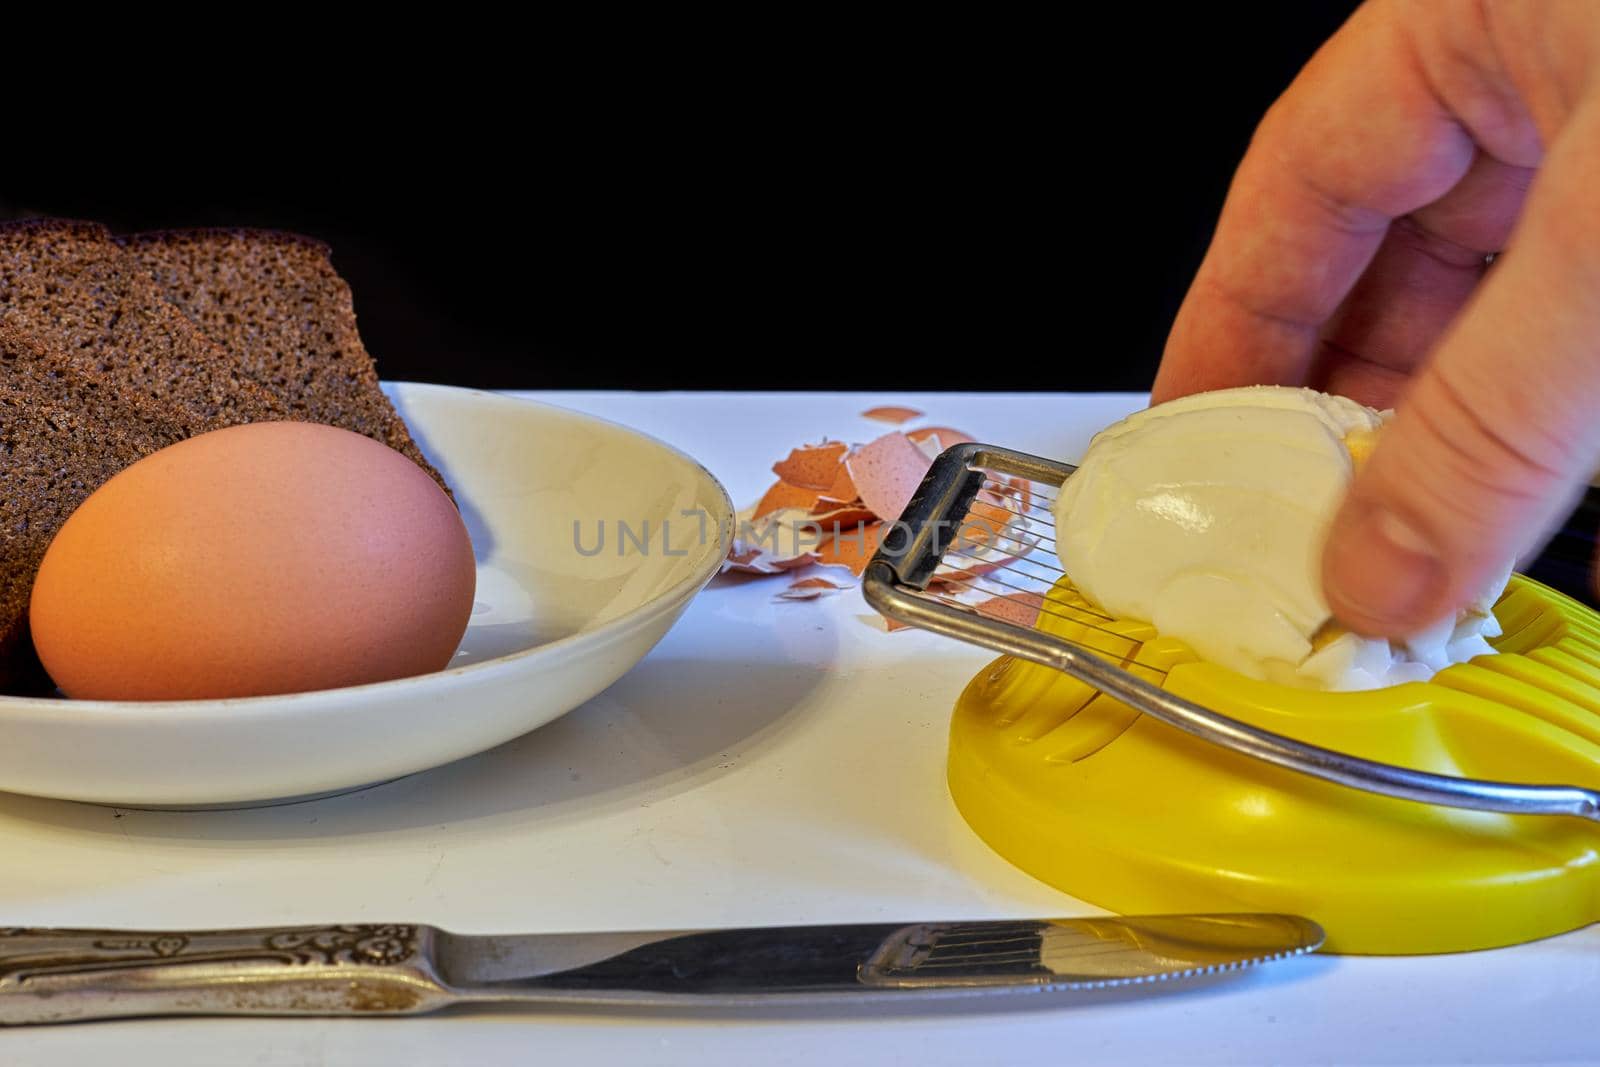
point(1450, 466)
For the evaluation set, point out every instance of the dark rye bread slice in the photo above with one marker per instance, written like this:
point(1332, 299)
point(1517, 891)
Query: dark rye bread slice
point(29, 367)
point(70, 289)
point(51, 458)
point(274, 299)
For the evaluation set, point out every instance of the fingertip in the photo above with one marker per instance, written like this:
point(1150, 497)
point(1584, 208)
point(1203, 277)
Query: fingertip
point(1381, 574)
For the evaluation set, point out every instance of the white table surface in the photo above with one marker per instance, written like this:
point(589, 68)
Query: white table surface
point(770, 762)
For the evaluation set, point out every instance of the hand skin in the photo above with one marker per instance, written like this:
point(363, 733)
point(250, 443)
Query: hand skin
point(1350, 256)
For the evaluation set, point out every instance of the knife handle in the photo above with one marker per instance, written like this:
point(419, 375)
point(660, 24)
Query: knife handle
point(49, 975)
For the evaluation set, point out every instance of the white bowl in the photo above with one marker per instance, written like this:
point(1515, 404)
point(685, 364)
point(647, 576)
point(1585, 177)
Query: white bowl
point(555, 623)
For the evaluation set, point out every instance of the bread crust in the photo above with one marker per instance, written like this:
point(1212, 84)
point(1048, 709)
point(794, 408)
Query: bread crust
point(274, 300)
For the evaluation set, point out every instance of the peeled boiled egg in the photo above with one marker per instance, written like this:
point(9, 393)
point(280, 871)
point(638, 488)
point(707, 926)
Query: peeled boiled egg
point(1205, 516)
point(275, 557)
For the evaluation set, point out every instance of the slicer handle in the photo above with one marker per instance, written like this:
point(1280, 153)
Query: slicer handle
point(49, 975)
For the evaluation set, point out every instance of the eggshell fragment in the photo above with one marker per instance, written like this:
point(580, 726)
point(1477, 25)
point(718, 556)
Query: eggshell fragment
point(843, 487)
point(1022, 609)
point(833, 504)
point(947, 437)
point(930, 447)
point(959, 578)
point(887, 472)
point(783, 495)
point(988, 519)
point(832, 514)
point(784, 540)
point(892, 415)
point(754, 561)
point(1015, 491)
point(852, 549)
point(809, 589)
point(812, 467)
point(262, 559)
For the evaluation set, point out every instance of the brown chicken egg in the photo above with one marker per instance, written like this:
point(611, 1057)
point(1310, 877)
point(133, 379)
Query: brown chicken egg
point(270, 558)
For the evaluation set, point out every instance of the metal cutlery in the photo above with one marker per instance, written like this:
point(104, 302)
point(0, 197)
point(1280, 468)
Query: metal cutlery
point(56, 975)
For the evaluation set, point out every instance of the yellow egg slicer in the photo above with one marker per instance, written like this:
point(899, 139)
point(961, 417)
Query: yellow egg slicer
point(1116, 766)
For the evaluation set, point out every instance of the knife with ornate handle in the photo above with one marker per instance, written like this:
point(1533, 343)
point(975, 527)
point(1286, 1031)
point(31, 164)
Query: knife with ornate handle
point(49, 975)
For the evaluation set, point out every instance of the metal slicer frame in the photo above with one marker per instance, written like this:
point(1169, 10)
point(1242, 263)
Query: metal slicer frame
point(925, 555)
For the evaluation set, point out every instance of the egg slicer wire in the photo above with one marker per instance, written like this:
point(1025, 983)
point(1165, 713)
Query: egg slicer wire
point(937, 551)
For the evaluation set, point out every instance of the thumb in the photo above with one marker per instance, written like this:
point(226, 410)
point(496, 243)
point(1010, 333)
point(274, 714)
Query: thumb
point(1498, 430)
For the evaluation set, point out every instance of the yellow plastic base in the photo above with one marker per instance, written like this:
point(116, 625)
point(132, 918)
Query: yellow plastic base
point(1133, 815)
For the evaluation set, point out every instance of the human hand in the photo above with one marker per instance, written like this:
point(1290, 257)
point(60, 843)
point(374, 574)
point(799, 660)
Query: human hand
point(1351, 256)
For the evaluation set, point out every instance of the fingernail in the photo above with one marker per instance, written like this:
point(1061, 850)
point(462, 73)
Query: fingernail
point(1383, 571)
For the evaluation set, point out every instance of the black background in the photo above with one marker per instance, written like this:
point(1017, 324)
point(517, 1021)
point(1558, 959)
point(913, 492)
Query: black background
point(1015, 210)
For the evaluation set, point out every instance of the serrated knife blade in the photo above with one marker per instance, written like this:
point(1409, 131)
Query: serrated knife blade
point(54, 975)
